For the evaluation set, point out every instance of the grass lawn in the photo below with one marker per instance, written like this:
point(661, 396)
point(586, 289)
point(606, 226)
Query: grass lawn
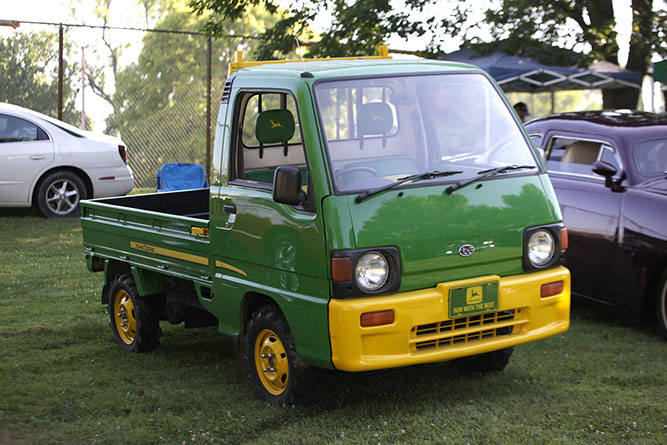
point(63, 380)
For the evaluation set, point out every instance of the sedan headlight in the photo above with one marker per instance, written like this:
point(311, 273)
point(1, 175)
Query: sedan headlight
point(541, 247)
point(372, 271)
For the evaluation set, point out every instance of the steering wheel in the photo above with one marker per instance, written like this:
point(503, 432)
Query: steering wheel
point(346, 171)
point(507, 140)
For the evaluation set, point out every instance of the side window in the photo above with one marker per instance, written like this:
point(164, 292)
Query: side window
point(569, 155)
point(537, 139)
point(269, 135)
point(14, 129)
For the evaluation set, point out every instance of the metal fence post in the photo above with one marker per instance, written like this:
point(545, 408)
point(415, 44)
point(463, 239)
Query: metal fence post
point(208, 107)
point(60, 73)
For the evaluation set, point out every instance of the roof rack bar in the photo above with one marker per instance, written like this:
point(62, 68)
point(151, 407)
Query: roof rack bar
point(384, 54)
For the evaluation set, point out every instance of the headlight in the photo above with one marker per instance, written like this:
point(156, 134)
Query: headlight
point(372, 271)
point(541, 247)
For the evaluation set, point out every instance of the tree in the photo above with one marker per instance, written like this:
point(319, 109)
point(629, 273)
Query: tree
point(160, 100)
point(522, 23)
point(29, 74)
point(357, 27)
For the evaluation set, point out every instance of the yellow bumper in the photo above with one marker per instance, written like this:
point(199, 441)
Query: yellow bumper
point(423, 333)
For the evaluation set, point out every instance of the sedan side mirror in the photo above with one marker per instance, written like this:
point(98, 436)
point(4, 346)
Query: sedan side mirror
point(287, 186)
point(608, 171)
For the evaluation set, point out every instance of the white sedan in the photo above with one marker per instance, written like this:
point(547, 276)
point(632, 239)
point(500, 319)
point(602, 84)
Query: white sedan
point(52, 165)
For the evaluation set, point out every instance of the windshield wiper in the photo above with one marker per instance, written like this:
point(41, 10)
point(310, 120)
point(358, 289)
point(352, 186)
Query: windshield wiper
point(484, 174)
point(418, 177)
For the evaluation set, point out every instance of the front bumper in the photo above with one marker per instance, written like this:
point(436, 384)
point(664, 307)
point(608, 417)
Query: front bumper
point(423, 333)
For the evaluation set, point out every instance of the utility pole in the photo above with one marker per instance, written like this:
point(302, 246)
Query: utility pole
point(83, 87)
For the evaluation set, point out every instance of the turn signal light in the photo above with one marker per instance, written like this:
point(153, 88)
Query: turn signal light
point(377, 318)
point(551, 289)
point(564, 241)
point(341, 269)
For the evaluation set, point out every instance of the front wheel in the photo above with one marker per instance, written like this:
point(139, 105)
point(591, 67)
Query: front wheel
point(490, 362)
point(661, 306)
point(134, 320)
point(275, 369)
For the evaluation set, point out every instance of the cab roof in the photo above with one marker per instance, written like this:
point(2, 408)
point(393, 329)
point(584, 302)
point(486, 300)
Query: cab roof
point(342, 67)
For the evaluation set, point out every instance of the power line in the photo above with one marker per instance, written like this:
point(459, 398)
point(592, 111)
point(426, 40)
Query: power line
point(124, 28)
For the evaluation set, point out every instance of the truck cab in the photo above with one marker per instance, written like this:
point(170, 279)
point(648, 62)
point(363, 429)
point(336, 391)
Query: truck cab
point(371, 213)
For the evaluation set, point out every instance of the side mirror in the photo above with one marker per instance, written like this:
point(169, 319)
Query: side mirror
point(608, 171)
point(604, 169)
point(287, 186)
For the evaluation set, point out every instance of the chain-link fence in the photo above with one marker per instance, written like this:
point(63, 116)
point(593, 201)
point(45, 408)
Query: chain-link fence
point(152, 89)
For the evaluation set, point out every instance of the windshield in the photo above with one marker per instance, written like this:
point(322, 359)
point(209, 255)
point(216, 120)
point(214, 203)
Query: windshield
point(380, 130)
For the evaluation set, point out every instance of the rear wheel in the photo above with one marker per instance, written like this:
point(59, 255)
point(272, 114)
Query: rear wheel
point(59, 194)
point(277, 372)
point(490, 362)
point(661, 306)
point(134, 320)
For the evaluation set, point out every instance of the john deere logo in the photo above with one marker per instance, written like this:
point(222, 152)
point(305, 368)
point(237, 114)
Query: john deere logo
point(466, 250)
point(275, 124)
point(375, 117)
point(474, 295)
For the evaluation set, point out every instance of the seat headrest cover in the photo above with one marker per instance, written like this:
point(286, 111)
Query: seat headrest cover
point(374, 118)
point(274, 126)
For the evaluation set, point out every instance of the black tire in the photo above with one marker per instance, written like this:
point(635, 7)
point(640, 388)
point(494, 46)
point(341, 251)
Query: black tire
point(490, 362)
point(661, 306)
point(273, 365)
point(59, 194)
point(134, 320)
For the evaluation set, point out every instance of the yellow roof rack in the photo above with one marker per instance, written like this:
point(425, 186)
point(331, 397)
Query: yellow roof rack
point(384, 54)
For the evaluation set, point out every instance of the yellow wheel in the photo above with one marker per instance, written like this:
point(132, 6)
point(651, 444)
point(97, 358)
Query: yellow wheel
point(123, 312)
point(271, 362)
point(279, 375)
point(134, 320)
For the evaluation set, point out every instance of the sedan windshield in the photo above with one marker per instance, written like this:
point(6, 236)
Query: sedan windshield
point(381, 130)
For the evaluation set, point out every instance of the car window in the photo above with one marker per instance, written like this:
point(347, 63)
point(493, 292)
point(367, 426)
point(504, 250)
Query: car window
point(576, 156)
point(651, 157)
point(14, 129)
point(537, 139)
point(269, 136)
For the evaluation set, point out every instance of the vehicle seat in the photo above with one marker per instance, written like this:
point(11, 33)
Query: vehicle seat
point(374, 118)
point(581, 152)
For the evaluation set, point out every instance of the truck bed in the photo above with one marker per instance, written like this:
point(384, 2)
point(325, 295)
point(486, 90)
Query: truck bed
point(163, 232)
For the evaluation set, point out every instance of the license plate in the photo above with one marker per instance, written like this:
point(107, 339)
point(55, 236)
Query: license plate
point(473, 299)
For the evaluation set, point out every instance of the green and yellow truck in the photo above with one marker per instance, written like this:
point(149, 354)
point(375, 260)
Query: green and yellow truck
point(363, 214)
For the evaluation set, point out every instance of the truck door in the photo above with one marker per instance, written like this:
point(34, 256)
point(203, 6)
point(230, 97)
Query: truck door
point(259, 240)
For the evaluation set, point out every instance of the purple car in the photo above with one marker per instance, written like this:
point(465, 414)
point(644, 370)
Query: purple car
point(609, 170)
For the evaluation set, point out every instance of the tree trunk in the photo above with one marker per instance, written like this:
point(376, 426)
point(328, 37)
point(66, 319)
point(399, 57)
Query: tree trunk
point(620, 98)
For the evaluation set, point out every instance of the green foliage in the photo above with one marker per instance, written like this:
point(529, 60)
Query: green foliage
point(160, 100)
point(357, 27)
point(29, 74)
point(66, 381)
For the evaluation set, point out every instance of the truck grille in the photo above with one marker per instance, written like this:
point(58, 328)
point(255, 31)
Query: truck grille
point(465, 329)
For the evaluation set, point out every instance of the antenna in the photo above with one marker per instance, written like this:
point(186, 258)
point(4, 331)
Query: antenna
point(305, 73)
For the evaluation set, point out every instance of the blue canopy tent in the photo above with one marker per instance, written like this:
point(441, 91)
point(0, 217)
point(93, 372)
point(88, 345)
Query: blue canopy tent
point(523, 74)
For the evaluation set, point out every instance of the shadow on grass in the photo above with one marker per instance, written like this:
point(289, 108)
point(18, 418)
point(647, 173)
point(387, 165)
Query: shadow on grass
point(607, 317)
point(19, 213)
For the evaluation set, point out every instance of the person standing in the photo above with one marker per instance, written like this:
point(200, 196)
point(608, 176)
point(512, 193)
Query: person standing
point(522, 110)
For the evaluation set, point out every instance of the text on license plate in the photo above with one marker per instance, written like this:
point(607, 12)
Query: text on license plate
point(473, 299)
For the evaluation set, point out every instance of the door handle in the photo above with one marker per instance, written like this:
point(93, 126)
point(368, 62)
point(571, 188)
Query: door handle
point(229, 209)
point(37, 157)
